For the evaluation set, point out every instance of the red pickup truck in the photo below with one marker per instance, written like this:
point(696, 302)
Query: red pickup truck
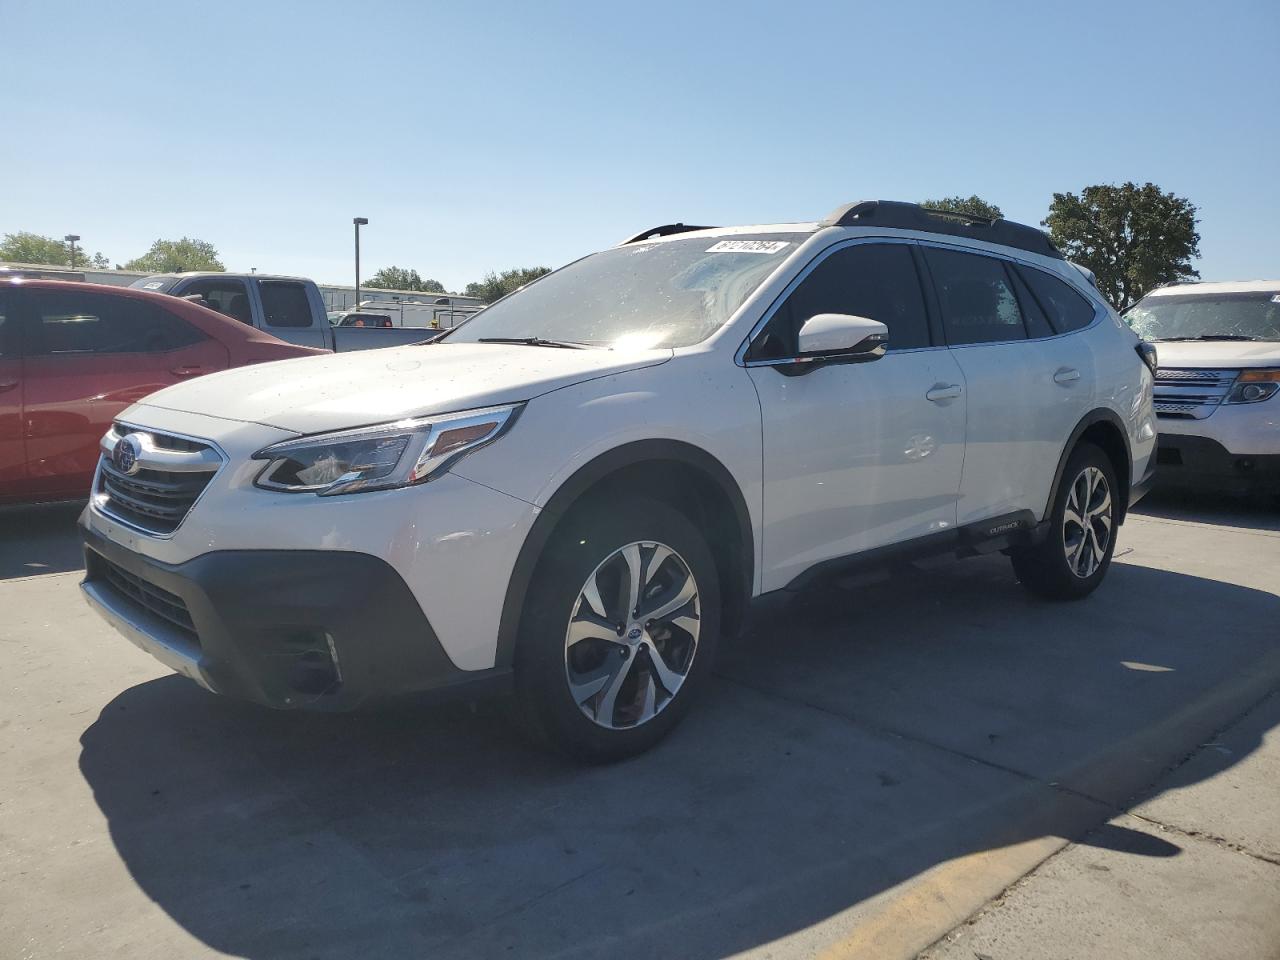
point(73, 355)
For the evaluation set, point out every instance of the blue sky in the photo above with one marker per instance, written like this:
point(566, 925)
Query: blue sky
point(478, 135)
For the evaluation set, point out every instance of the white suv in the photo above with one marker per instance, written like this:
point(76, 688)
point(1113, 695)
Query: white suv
point(1216, 388)
point(580, 490)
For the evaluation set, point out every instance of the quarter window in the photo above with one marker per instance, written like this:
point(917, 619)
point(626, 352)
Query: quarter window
point(68, 324)
point(978, 301)
point(285, 304)
point(874, 280)
point(1067, 309)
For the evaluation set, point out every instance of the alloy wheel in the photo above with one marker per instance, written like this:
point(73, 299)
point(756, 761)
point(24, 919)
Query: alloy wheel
point(633, 635)
point(1087, 522)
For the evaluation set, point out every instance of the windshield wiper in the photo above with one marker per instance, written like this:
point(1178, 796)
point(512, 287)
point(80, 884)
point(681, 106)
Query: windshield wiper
point(535, 342)
point(1209, 336)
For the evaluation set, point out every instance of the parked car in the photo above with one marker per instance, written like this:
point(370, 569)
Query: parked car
point(290, 308)
point(580, 490)
point(73, 355)
point(1215, 393)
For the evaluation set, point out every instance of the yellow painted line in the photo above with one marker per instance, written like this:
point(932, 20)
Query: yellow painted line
point(926, 908)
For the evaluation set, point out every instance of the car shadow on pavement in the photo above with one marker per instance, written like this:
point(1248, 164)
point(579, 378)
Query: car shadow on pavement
point(850, 742)
point(1248, 513)
point(39, 539)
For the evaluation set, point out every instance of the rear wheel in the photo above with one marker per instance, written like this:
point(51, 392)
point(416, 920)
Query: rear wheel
point(619, 629)
point(1072, 560)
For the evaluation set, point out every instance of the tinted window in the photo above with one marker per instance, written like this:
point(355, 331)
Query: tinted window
point(67, 323)
point(226, 296)
point(1038, 324)
point(8, 332)
point(285, 304)
point(1067, 309)
point(977, 298)
point(878, 281)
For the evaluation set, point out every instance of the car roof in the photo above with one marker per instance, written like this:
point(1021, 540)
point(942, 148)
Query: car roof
point(224, 273)
point(49, 283)
point(1217, 286)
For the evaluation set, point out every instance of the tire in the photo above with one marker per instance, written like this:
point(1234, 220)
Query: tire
point(596, 691)
point(1072, 560)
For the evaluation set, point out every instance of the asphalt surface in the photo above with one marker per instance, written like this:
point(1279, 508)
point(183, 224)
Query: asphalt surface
point(877, 768)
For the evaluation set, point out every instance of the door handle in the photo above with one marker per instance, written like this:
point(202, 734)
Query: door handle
point(189, 370)
point(7, 385)
point(944, 391)
point(1066, 375)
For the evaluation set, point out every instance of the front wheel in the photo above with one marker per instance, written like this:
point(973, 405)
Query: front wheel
point(619, 629)
point(1072, 560)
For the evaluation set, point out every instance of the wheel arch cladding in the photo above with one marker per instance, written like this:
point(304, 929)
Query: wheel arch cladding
point(1105, 430)
point(687, 477)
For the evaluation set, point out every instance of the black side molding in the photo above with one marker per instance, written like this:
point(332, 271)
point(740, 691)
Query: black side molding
point(579, 484)
point(984, 536)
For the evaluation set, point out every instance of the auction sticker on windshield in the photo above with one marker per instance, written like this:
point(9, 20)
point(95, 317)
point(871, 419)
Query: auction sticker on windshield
point(749, 246)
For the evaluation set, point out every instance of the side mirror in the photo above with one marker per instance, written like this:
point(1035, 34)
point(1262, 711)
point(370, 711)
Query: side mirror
point(841, 338)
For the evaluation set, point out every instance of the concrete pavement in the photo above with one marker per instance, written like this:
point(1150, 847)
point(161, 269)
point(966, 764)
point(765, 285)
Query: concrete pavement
point(1192, 874)
point(871, 767)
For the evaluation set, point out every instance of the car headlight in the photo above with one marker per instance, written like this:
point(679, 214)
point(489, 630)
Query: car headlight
point(376, 458)
point(1254, 385)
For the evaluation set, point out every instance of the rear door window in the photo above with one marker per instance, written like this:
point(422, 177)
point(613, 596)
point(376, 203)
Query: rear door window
point(66, 323)
point(977, 298)
point(228, 296)
point(285, 303)
point(1067, 309)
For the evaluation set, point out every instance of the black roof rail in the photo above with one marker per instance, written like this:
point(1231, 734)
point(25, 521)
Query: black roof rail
point(912, 216)
point(666, 230)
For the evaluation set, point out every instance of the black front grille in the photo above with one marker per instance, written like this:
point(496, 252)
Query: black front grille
point(168, 606)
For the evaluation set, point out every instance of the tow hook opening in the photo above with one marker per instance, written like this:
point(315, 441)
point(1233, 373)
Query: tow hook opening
point(317, 671)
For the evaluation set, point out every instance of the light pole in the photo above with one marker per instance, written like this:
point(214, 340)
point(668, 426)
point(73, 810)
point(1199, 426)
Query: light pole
point(71, 238)
point(359, 222)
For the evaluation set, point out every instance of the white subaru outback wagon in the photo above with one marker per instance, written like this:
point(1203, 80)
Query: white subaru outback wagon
point(579, 491)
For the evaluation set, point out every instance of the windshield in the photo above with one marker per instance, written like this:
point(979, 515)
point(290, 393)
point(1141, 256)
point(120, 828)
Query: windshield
point(669, 294)
point(155, 284)
point(1251, 316)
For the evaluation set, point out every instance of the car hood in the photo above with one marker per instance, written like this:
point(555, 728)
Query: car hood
point(1217, 353)
point(336, 391)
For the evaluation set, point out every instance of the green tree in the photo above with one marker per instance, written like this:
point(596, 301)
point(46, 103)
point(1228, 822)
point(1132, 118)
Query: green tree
point(495, 286)
point(23, 247)
point(974, 206)
point(398, 278)
point(1132, 237)
point(175, 256)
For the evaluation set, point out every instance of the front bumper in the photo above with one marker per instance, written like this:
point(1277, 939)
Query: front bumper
point(1183, 460)
point(316, 629)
